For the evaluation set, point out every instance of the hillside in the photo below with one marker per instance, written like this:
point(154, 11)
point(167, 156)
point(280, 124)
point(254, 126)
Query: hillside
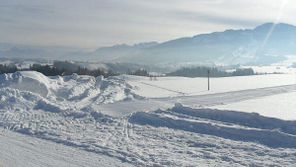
point(263, 45)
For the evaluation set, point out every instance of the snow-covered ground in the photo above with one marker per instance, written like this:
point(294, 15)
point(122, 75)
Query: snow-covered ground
point(29, 90)
point(281, 106)
point(197, 101)
point(21, 150)
point(131, 120)
point(180, 86)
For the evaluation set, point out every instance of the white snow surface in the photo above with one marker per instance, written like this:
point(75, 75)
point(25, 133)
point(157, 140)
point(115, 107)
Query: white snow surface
point(183, 86)
point(28, 90)
point(132, 121)
point(281, 106)
point(19, 150)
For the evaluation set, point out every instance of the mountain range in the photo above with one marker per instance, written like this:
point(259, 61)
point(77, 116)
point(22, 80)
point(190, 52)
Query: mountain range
point(265, 44)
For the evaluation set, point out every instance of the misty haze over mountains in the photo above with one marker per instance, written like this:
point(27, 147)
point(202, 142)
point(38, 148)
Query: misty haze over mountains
point(265, 44)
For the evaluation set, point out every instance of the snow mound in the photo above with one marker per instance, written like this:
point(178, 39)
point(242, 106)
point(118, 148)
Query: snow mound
point(29, 90)
point(48, 106)
point(14, 99)
point(26, 81)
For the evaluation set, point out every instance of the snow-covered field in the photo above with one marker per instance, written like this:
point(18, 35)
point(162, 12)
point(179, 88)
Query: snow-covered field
point(181, 86)
point(129, 120)
point(281, 106)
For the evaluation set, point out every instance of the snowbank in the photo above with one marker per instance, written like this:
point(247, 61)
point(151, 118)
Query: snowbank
point(14, 99)
point(246, 127)
point(26, 81)
point(30, 90)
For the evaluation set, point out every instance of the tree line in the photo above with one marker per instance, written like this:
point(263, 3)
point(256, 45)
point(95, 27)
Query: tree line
point(8, 68)
point(139, 72)
point(58, 68)
point(68, 68)
point(214, 72)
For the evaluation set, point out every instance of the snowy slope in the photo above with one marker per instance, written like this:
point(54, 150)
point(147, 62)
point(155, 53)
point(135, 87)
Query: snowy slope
point(227, 47)
point(247, 46)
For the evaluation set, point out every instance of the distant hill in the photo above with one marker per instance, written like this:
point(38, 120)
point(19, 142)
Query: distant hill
point(265, 44)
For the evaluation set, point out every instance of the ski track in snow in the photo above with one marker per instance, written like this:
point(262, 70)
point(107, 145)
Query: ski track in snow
point(168, 138)
point(170, 90)
point(76, 111)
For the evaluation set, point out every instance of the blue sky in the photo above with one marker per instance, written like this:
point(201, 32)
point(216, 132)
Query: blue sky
point(96, 23)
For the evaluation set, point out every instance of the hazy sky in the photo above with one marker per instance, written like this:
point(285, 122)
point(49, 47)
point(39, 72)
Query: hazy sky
point(95, 23)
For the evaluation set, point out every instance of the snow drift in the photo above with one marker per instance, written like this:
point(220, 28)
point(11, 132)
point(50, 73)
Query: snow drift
point(26, 81)
point(247, 127)
point(30, 90)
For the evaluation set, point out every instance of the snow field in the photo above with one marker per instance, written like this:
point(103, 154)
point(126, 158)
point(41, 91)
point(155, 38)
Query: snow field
point(280, 106)
point(182, 86)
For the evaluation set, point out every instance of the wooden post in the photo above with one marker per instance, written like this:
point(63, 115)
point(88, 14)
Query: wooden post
point(208, 80)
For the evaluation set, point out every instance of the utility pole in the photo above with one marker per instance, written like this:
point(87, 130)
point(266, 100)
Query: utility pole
point(208, 80)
